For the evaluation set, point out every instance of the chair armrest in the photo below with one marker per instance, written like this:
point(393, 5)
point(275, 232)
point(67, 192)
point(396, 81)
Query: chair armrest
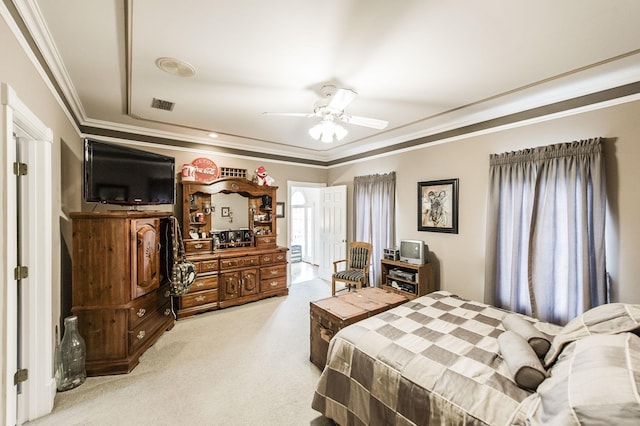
point(335, 264)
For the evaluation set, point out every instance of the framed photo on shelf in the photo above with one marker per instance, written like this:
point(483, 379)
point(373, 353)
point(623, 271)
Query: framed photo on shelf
point(438, 206)
point(279, 209)
point(224, 212)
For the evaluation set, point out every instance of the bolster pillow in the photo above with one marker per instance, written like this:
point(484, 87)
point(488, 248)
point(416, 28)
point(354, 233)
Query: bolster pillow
point(523, 362)
point(532, 335)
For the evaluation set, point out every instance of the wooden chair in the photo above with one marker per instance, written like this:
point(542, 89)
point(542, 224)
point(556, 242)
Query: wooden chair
point(356, 269)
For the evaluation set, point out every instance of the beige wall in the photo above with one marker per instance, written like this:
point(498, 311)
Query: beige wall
point(460, 258)
point(19, 73)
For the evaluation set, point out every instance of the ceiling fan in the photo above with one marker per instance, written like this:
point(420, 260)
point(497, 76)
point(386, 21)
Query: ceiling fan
point(330, 108)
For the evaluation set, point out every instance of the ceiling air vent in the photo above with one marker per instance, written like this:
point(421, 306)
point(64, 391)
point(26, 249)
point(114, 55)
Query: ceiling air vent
point(162, 104)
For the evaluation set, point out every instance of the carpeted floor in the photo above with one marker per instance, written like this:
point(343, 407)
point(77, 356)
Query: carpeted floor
point(246, 365)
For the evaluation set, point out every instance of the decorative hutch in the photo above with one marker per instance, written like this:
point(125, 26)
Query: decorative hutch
point(229, 230)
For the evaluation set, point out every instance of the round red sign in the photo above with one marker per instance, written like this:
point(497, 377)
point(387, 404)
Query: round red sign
point(206, 170)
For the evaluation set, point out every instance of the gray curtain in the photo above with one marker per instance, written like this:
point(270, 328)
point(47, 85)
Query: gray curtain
point(374, 202)
point(545, 230)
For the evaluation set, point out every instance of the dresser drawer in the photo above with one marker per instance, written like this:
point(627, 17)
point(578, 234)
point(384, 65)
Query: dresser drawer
point(204, 283)
point(275, 257)
point(199, 298)
point(279, 283)
point(273, 271)
point(239, 262)
point(265, 241)
point(198, 246)
point(206, 266)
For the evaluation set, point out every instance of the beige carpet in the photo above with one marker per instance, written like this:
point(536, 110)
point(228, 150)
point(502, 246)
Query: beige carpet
point(246, 365)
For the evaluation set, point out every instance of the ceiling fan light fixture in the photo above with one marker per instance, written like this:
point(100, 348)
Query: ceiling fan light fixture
point(326, 130)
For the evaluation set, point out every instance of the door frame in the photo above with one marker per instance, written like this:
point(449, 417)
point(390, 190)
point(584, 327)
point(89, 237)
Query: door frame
point(291, 185)
point(38, 392)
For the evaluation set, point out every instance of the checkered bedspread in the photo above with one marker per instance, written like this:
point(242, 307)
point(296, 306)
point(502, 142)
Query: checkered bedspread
point(434, 360)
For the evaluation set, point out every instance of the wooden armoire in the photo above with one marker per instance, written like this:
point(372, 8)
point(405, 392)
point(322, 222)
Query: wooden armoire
point(120, 288)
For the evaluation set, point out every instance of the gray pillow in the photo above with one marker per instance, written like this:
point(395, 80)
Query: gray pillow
point(523, 362)
point(538, 341)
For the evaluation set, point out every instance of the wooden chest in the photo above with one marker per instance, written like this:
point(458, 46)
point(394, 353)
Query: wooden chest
point(332, 314)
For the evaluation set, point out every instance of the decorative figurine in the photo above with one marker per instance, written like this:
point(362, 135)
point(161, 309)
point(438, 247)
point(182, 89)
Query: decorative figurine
point(262, 178)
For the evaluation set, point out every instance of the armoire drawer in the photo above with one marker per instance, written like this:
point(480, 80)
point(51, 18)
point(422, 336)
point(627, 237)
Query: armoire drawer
point(142, 308)
point(147, 328)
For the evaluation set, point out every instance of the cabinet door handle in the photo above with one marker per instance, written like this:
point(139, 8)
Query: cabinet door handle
point(274, 271)
point(167, 293)
point(200, 284)
point(280, 257)
point(200, 299)
point(167, 312)
point(141, 335)
point(198, 246)
point(141, 312)
point(267, 259)
point(273, 283)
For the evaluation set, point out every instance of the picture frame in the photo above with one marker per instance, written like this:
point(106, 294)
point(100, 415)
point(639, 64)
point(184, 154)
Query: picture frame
point(438, 206)
point(279, 209)
point(224, 212)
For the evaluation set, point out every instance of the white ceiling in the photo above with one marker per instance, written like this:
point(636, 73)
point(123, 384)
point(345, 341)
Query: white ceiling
point(425, 66)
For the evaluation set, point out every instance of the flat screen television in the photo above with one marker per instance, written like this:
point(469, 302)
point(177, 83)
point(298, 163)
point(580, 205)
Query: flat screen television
point(117, 174)
point(413, 251)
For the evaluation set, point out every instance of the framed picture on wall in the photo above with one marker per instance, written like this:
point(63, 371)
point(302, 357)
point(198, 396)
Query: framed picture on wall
point(438, 206)
point(279, 209)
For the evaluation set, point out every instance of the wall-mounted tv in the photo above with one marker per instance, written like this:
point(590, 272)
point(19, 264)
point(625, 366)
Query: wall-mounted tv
point(118, 174)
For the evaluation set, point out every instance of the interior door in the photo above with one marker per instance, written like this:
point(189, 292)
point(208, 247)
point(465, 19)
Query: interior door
point(33, 343)
point(333, 228)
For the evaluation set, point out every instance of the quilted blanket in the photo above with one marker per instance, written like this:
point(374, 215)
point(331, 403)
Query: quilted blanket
point(434, 360)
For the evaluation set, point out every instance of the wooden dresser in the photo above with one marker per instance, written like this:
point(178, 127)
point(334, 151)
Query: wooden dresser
point(120, 290)
point(234, 248)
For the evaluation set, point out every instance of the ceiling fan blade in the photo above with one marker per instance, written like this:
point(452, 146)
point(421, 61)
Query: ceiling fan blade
point(341, 99)
point(373, 123)
point(291, 114)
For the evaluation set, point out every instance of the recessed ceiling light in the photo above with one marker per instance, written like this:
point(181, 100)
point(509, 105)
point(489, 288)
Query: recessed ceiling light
point(213, 135)
point(175, 67)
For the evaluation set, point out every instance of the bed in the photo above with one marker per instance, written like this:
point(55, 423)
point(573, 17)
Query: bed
point(439, 359)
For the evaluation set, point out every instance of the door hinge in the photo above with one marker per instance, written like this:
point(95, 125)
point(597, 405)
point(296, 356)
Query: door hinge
point(20, 169)
point(21, 272)
point(20, 376)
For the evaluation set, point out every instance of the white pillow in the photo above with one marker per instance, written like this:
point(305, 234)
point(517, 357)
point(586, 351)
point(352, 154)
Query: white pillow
point(594, 381)
point(538, 341)
point(612, 318)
